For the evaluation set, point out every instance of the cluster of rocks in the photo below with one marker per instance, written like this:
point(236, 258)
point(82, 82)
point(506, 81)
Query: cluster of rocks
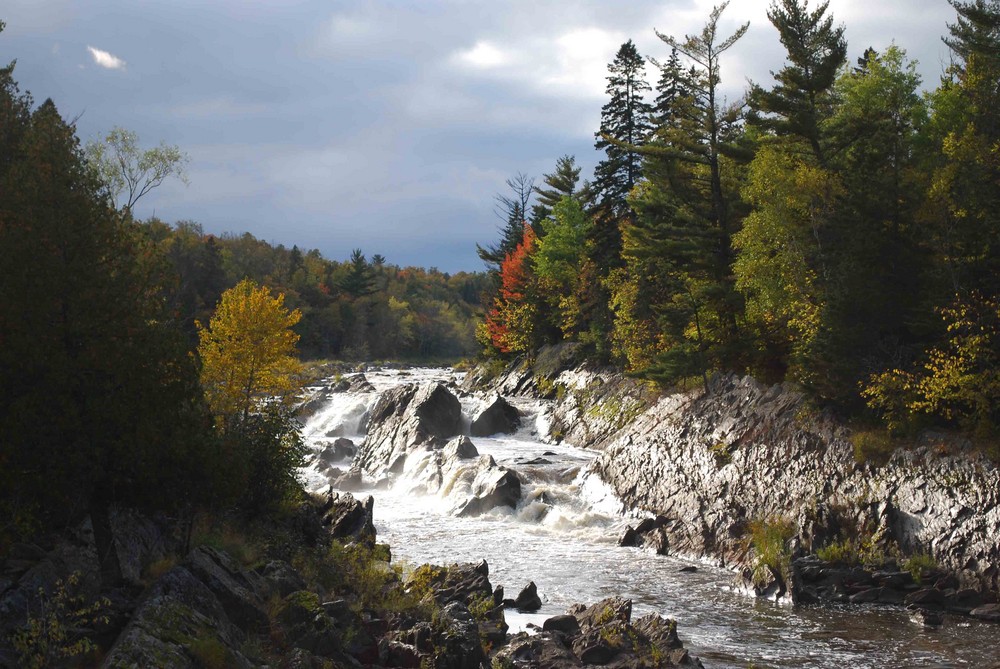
point(927, 593)
point(208, 609)
point(603, 634)
point(415, 431)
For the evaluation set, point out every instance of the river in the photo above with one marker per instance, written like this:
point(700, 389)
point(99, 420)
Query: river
point(563, 536)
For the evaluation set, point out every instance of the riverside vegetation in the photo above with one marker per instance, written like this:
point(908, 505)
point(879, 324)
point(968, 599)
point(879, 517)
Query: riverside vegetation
point(770, 240)
point(834, 228)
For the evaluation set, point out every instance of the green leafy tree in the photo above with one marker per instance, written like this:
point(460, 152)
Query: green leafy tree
point(129, 172)
point(557, 261)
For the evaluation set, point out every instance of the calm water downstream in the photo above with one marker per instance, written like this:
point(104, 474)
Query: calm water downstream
point(564, 535)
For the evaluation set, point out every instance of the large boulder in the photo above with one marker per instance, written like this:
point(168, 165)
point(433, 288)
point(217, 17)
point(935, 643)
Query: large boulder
point(355, 383)
point(493, 487)
point(406, 418)
point(498, 416)
point(349, 519)
point(528, 600)
point(205, 608)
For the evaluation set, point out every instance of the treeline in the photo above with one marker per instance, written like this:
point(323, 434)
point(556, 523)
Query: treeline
point(139, 361)
point(835, 227)
point(359, 309)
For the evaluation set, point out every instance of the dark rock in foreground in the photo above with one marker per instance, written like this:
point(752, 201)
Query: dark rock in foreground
point(528, 600)
point(602, 634)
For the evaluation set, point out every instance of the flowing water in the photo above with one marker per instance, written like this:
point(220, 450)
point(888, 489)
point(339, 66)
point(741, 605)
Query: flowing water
point(563, 536)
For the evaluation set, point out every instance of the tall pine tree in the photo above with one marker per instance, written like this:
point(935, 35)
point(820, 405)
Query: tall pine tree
point(625, 125)
point(687, 213)
point(800, 99)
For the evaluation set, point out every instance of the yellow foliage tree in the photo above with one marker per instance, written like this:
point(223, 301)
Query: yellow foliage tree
point(247, 350)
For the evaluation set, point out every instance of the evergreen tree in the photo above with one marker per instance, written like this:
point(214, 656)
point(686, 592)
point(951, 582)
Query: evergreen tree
point(101, 403)
point(559, 184)
point(800, 99)
point(976, 32)
point(687, 212)
point(672, 87)
point(360, 278)
point(624, 126)
point(511, 208)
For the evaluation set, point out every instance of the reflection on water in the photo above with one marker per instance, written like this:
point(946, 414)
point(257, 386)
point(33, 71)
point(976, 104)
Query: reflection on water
point(564, 538)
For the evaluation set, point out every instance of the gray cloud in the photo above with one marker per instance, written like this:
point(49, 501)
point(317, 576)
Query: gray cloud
point(385, 125)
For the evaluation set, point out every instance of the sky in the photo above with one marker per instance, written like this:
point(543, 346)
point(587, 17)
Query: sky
point(383, 125)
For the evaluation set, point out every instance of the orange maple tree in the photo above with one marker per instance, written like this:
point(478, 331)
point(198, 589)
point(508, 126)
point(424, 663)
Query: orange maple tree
point(510, 321)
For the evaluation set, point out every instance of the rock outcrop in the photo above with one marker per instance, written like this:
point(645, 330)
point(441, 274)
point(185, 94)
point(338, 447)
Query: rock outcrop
point(406, 418)
point(710, 463)
point(474, 483)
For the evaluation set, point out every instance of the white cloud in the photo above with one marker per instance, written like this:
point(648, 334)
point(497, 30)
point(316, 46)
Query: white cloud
point(483, 56)
point(105, 59)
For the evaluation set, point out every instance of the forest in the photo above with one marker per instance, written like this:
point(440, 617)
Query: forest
point(139, 359)
point(360, 309)
point(835, 228)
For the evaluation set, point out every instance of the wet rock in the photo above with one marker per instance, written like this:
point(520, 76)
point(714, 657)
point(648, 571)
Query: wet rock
point(493, 487)
point(528, 600)
point(350, 519)
point(406, 418)
point(630, 538)
point(564, 624)
point(926, 597)
point(355, 383)
point(989, 612)
point(312, 404)
point(341, 449)
point(964, 601)
point(867, 596)
point(350, 481)
point(689, 569)
point(460, 448)
point(498, 417)
point(926, 618)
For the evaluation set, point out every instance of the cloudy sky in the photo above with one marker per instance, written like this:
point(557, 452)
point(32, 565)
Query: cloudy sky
point(385, 125)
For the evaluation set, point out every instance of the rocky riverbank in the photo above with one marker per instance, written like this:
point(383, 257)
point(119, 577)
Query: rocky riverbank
point(311, 589)
point(727, 472)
